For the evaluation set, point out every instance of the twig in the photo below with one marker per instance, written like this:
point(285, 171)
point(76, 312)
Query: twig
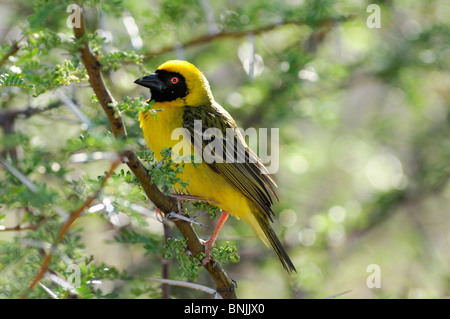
point(211, 37)
point(20, 228)
point(65, 227)
point(225, 286)
point(10, 115)
point(14, 48)
point(19, 175)
point(88, 202)
point(49, 291)
point(338, 294)
point(74, 108)
point(183, 284)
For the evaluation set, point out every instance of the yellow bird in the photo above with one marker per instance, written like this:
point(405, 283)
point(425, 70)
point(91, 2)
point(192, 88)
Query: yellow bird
point(242, 188)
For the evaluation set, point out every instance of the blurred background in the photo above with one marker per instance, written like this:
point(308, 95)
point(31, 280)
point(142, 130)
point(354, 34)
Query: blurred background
point(359, 91)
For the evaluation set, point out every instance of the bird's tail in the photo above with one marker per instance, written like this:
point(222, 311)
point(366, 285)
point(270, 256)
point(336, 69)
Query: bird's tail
point(263, 229)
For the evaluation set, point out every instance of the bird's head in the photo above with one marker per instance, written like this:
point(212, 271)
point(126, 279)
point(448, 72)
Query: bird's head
point(175, 80)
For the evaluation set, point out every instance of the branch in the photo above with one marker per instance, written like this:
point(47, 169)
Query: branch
point(19, 175)
point(14, 48)
point(65, 227)
point(225, 286)
point(236, 34)
point(8, 118)
point(20, 227)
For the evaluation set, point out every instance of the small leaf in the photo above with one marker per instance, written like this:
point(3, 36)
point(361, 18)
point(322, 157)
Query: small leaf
point(13, 80)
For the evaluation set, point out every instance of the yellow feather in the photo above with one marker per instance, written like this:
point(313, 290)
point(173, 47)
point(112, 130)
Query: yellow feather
point(203, 181)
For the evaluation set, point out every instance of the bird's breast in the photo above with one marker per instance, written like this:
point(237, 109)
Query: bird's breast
point(160, 129)
point(163, 131)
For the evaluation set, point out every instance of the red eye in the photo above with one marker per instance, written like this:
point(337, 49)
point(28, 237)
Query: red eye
point(174, 80)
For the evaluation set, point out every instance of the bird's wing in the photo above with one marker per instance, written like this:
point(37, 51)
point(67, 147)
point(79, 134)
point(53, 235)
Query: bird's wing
point(245, 170)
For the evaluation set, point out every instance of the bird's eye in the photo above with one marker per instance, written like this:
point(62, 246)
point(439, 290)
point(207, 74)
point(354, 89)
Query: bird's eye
point(174, 80)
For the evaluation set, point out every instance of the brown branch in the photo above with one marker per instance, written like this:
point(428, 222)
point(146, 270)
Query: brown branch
point(225, 286)
point(210, 37)
point(88, 202)
point(93, 67)
point(20, 227)
point(236, 34)
point(9, 117)
point(65, 227)
point(14, 48)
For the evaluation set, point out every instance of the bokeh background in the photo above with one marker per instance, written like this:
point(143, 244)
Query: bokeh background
point(364, 142)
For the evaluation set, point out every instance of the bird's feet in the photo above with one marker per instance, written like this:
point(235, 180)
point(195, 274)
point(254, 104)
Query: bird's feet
point(179, 198)
point(210, 242)
point(173, 216)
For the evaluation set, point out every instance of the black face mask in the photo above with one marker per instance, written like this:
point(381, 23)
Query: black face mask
point(164, 86)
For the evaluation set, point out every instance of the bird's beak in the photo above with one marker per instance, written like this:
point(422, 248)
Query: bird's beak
point(152, 82)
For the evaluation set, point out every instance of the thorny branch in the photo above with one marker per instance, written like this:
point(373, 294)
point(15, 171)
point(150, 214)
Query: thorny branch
point(225, 286)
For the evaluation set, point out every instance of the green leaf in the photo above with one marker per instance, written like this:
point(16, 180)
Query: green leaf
point(15, 80)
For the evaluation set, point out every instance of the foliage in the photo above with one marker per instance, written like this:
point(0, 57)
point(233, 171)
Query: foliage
point(205, 206)
point(188, 264)
point(363, 146)
point(12, 80)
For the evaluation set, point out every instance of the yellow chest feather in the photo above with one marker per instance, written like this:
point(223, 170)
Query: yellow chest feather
point(203, 181)
point(158, 128)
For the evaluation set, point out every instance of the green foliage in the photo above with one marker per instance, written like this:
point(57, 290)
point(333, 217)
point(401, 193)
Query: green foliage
point(188, 265)
point(19, 262)
point(225, 253)
point(13, 80)
point(62, 75)
point(115, 60)
point(149, 242)
point(164, 173)
point(132, 106)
